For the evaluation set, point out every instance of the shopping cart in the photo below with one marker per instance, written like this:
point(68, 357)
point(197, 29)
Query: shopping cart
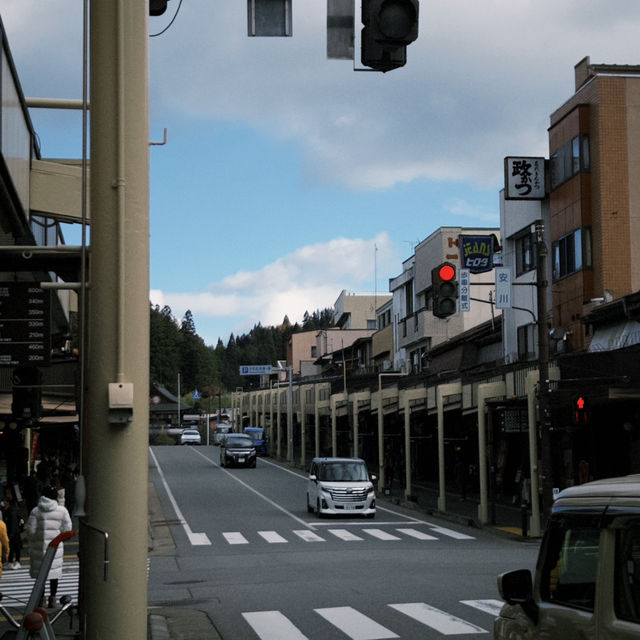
point(36, 622)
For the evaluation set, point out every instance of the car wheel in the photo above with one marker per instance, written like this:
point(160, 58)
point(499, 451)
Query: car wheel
point(309, 507)
point(253, 466)
point(318, 508)
point(221, 462)
point(371, 516)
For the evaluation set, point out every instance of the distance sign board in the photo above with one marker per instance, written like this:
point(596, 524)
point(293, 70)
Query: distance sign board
point(256, 370)
point(25, 324)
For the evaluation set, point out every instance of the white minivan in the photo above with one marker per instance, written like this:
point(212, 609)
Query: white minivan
point(340, 486)
point(587, 577)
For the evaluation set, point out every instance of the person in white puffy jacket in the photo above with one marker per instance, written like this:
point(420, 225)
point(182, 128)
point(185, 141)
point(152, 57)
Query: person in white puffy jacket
point(45, 522)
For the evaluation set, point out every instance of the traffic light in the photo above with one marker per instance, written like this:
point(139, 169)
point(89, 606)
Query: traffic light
point(389, 26)
point(580, 413)
point(157, 7)
point(444, 290)
point(27, 392)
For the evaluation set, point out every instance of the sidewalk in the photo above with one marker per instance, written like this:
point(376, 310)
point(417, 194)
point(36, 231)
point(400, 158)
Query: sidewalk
point(504, 519)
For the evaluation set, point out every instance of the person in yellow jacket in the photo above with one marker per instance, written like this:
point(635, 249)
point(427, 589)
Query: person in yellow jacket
point(4, 544)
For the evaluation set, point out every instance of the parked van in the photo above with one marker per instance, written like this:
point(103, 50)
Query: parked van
point(587, 577)
point(259, 439)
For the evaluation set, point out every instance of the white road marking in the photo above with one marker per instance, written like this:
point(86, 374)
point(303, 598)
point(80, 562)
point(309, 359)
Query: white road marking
point(492, 607)
point(381, 534)
point(272, 625)
point(343, 534)
point(235, 537)
point(195, 539)
point(414, 533)
point(272, 537)
point(441, 621)
point(308, 536)
point(355, 624)
point(451, 533)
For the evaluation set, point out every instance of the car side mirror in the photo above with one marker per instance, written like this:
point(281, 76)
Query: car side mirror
point(313, 478)
point(516, 587)
point(373, 477)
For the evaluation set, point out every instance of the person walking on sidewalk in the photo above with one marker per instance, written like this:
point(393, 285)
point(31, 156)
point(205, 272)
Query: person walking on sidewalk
point(4, 544)
point(45, 522)
point(15, 525)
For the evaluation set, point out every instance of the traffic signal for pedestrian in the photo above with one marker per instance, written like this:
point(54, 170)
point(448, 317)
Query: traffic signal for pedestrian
point(580, 411)
point(389, 26)
point(444, 290)
point(27, 392)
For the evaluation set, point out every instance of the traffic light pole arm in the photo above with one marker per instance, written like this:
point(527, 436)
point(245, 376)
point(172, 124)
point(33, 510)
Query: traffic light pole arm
point(492, 302)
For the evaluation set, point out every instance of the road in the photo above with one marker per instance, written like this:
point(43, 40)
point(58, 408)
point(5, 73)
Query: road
point(246, 551)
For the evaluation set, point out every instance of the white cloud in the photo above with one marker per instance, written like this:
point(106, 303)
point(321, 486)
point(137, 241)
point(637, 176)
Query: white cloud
point(307, 279)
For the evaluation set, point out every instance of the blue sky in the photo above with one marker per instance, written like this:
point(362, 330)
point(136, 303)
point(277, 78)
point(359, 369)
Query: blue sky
point(284, 169)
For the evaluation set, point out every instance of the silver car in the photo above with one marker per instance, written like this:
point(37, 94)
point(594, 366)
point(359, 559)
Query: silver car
point(190, 436)
point(340, 486)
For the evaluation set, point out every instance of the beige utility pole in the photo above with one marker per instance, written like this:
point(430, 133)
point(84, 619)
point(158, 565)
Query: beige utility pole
point(113, 535)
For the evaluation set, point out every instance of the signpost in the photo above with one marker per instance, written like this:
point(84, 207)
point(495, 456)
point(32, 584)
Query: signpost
point(25, 325)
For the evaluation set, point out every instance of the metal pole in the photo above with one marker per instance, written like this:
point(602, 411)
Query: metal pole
point(543, 368)
point(115, 455)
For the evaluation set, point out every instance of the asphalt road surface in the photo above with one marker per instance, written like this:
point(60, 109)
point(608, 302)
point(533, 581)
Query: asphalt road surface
point(245, 550)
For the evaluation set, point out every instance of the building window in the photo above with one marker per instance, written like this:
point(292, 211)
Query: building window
point(314, 352)
point(408, 298)
point(525, 253)
point(568, 252)
point(569, 160)
point(527, 342)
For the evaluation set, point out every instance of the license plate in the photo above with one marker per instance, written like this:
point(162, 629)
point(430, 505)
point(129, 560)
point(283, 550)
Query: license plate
point(240, 460)
point(350, 507)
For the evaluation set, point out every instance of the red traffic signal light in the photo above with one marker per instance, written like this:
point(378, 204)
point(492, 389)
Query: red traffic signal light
point(444, 290)
point(579, 411)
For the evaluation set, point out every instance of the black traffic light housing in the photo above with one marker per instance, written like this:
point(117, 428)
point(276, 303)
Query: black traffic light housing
point(27, 393)
point(444, 290)
point(389, 26)
point(157, 7)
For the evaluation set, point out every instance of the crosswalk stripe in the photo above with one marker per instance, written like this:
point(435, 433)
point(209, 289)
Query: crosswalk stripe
point(441, 621)
point(415, 533)
point(451, 533)
point(492, 607)
point(272, 537)
point(355, 624)
point(308, 536)
point(273, 625)
point(17, 585)
point(345, 535)
point(235, 537)
point(381, 534)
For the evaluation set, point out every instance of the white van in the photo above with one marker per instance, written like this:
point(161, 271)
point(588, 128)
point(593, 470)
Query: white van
point(587, 578)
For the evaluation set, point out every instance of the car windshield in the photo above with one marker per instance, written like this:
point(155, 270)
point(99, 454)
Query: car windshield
point(190, 432)
point(343, 472)
point(239, 442)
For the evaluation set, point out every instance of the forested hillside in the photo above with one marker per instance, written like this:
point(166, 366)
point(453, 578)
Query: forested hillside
point(176, 348)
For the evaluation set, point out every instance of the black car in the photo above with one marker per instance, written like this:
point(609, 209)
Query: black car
point(237, 450)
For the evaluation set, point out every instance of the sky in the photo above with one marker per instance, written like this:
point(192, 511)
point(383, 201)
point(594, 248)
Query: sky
point(288, 177)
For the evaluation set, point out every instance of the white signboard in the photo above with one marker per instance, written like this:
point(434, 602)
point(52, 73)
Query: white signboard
point(503, 287)
point(464, 290)
point(524, 178)
point(256, 370)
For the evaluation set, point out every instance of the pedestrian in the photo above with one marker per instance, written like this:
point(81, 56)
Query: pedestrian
point(45, 522)
point(15, 526)
point(4, 544)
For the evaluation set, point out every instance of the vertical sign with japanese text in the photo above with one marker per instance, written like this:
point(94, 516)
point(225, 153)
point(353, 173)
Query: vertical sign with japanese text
point(524, 178)
point(503, 287)
point(464, 290)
